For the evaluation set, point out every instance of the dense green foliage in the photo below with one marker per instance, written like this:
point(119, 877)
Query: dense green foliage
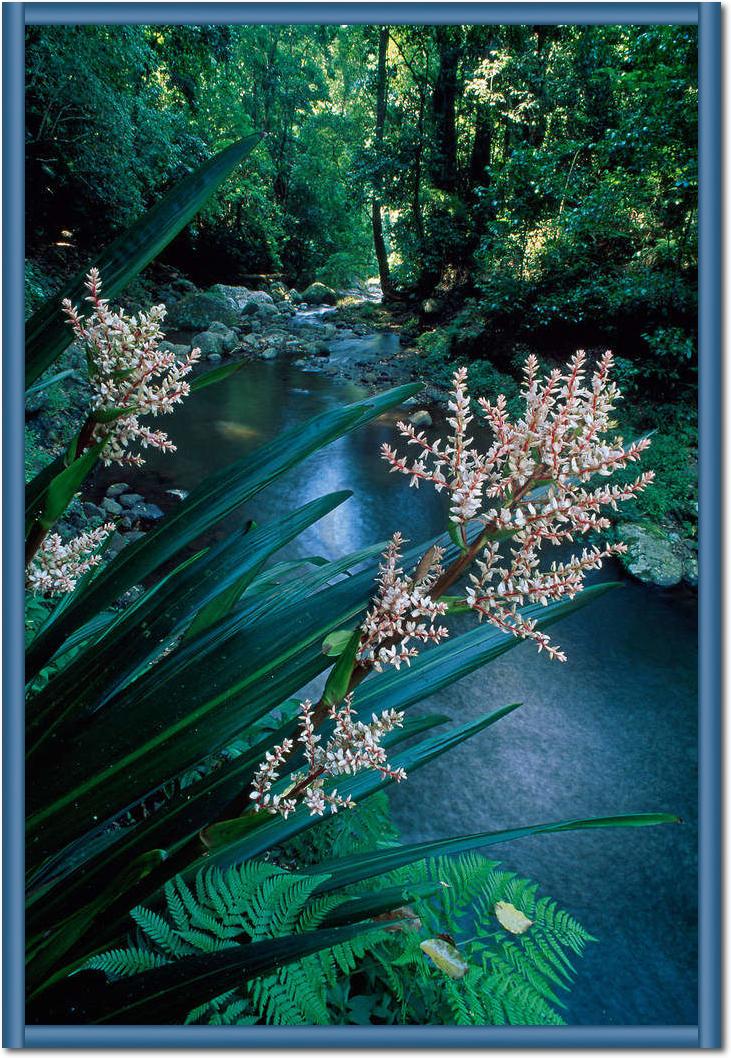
point(549, 171)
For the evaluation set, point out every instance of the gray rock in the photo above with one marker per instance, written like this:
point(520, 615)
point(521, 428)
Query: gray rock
point(420, 418)
point(116, 544)
point(328, 331)
point(230, 339)
point(209, 342)
point(277, 339)
point(295, 297)
point(179, 351)
point(111, 506)
point(270, 354)
point(92, 511)
point(319, 294)
point(196, 311)
point(650, 557)
point(261, 297)
point(250, 343)
point(121, 540)
point(131, 499)
point(235, 296)
point(117, 489)
point(214, 358)
point(179, 494)
point(265, 311)
point(145, 512)
point(411, 402)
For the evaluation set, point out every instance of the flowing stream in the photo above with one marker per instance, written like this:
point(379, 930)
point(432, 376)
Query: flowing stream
point(611, 731)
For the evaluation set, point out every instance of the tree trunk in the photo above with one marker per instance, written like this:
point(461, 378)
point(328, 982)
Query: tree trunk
point(379, 243)
point(481, 151)
point(443, 107)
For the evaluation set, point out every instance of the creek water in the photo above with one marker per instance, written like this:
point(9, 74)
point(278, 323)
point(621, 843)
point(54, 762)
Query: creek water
point(611, 731)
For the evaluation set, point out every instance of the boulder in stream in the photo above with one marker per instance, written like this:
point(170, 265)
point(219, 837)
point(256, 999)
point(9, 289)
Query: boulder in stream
point(209, 343)
point(651, 557)
point(230, 338)
point(179, 351)
point(420, 418)
point(196, 311)
point(319, 294)
point(111, 506)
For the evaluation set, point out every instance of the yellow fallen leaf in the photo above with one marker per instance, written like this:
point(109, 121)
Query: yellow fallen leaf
point(510, 918)
point(445, 956)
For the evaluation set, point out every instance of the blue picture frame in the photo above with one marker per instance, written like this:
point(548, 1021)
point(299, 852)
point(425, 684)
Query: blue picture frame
point(707, 1034)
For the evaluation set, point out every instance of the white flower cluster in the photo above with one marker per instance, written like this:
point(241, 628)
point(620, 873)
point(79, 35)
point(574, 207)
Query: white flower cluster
point(392, 622)
point(127, 369)
point(353, 746)
point(529, 486)
point(57, 566)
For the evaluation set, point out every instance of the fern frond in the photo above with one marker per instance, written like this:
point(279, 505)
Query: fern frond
point(126, 962)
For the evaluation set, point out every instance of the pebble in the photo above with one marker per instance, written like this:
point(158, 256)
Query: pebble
point(146, 512)
point(111, 506)
point(117, 489)
point(179, 494)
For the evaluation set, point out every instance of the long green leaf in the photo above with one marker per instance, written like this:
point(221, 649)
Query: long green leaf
point(48, 333)
point(353, 869)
